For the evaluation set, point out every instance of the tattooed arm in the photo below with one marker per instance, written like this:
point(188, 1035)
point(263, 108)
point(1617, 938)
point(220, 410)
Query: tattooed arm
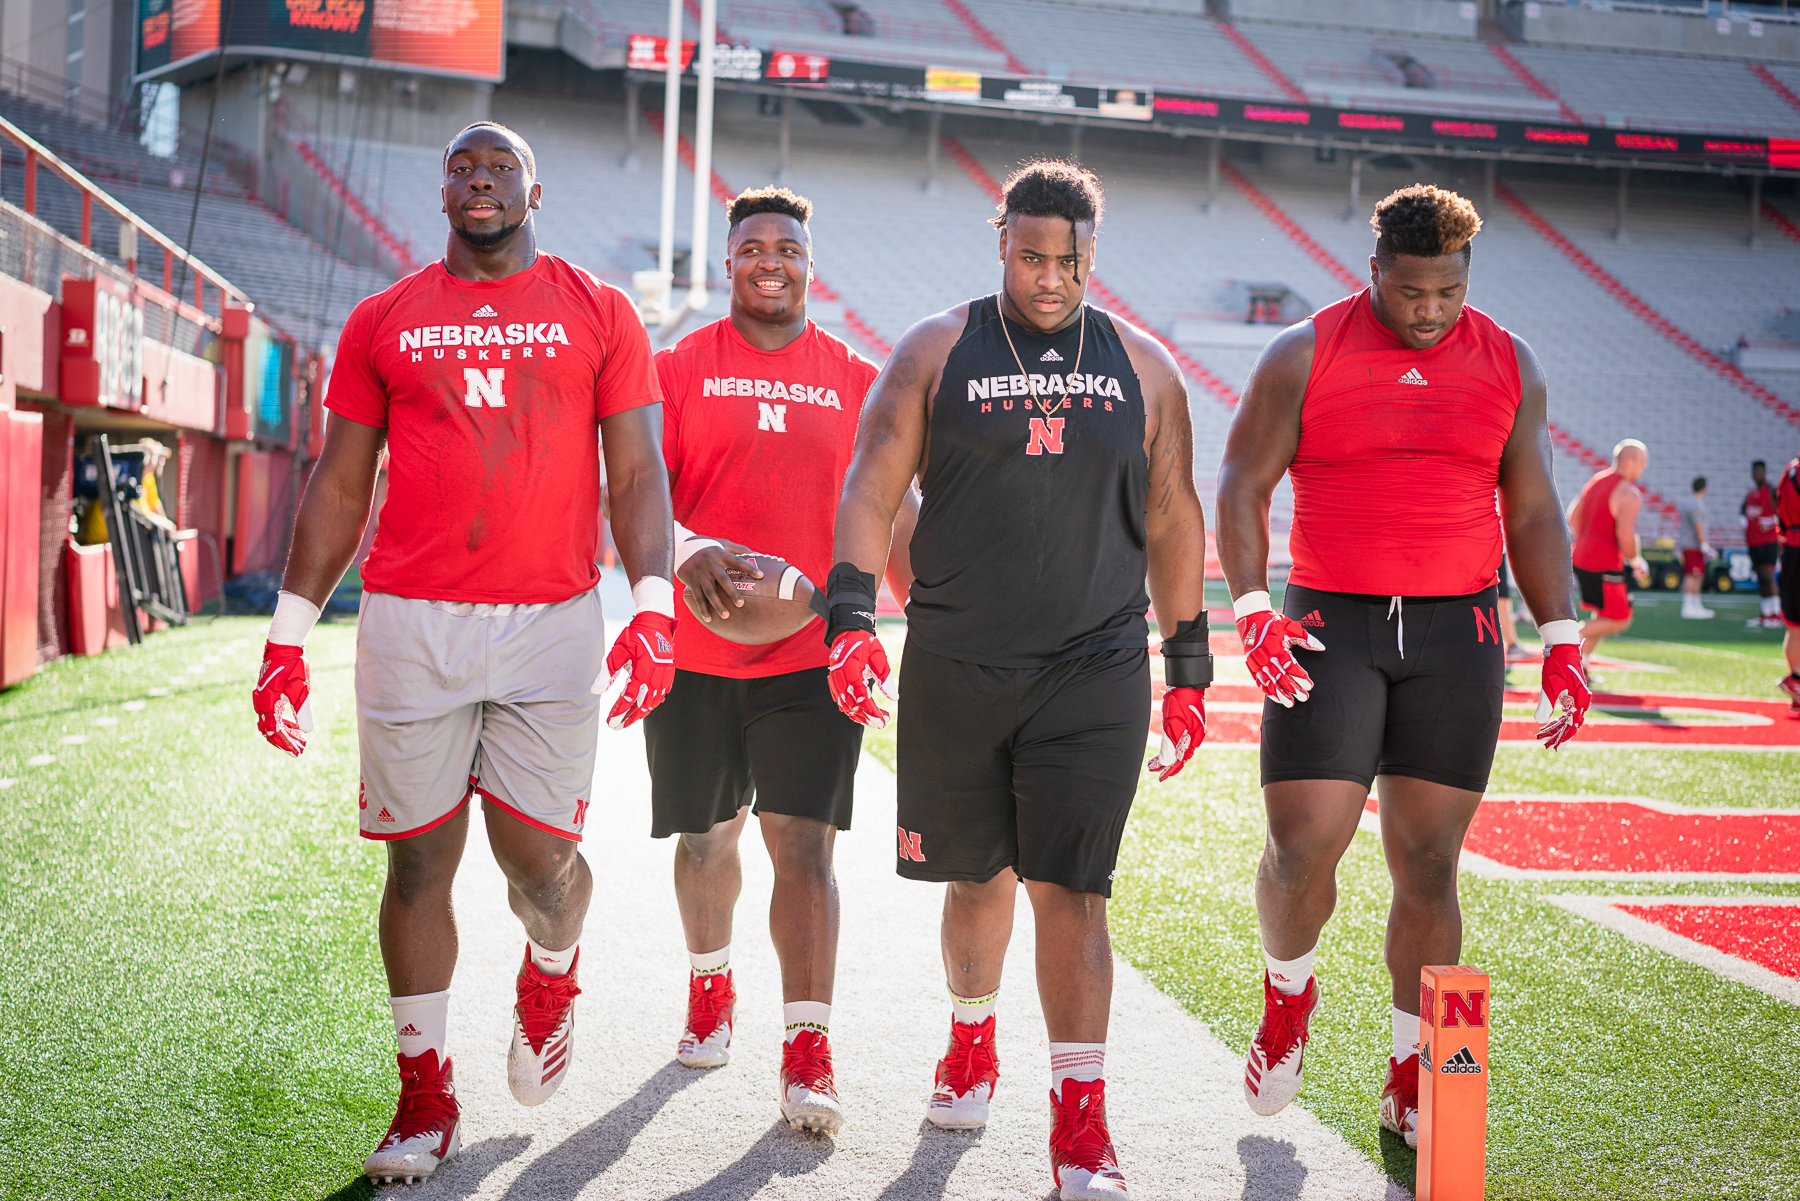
point(1174, 522)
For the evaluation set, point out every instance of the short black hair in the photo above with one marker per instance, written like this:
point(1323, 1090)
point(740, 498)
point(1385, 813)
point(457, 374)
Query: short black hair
point(1052, 187)
point(525, 154)
point(1699, 483)
point(782, 201)
point(1755, 463)
point(1425, 221)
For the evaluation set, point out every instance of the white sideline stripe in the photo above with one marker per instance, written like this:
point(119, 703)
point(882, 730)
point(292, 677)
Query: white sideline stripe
point(1600, 910)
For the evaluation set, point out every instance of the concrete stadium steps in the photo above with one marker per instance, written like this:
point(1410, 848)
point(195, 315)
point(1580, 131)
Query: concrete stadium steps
point(1168, 49)
point(1661, 91)
point(109, 155)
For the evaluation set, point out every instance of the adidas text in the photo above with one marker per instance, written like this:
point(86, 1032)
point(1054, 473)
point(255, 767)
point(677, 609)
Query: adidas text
point(486, 310)
point(1412, 377)
point(1050, 356)
point(1460, 1064)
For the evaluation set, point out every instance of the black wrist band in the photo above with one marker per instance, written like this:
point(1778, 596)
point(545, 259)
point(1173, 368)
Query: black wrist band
point(847, 602)
point(1187, 658)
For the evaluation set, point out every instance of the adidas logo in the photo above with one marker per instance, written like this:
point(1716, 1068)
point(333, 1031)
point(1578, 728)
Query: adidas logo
point(1461, 1064)
point(1050, 356)
point(410, 1031)
point(1411, 377)
point(384, 815)
point(1313, 619)
point(487, 310)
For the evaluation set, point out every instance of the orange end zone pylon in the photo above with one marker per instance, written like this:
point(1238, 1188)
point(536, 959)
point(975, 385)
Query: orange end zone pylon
point(1453, 1083)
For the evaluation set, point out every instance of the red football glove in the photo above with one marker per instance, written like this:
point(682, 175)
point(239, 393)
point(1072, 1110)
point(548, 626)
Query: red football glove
point(644, 657)
point(283, 698)
point(859, 666)
point(1267, 635)
point(1183, 730)
point(1564, 698)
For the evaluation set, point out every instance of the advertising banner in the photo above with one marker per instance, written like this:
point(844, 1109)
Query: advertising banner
point(102, 344)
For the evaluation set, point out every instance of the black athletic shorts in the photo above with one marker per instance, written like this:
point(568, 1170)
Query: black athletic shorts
point(1765, 555)
point(1604, 592)
point(1032, 769)
point(716, 742)
point(1504, 588)
point(1790, 585)
point(1432, 713)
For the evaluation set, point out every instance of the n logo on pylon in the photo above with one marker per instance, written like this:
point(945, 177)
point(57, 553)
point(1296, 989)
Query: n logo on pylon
point(479, 386)
point(909, 845)
point(1046, 435)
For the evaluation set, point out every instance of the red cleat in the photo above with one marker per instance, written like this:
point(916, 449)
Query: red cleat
point(427, 1125)
point(1277, 1053)
point(965, 1077)
point(1082, 1160)
point(543, 1042)
point(809, 1099)
point(712, 1011)
point(1400, 1099)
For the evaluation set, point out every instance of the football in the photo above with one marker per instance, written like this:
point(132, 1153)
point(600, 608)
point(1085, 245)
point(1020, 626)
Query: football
point(775, 606)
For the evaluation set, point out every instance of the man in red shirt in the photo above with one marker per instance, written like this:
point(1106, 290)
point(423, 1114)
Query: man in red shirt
point(487, 375)
point(1762, 538)
point(1604, 521)
point(758, 425)
point(1787, 511)
point(1418, 408)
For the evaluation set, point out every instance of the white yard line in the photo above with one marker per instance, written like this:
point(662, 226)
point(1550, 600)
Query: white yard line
point(632, 1123)
point(1602, 911)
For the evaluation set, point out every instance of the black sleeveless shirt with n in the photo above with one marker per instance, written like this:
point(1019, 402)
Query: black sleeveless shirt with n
point(1030, 543)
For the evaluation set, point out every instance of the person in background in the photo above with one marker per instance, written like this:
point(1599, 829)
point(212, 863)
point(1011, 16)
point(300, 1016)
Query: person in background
point(1787, 510)
point(1762, 538)
point(1696, 552)
point(1509, 626)
point(1604, 521)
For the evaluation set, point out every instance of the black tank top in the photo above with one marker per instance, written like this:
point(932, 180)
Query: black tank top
point(1030, 543)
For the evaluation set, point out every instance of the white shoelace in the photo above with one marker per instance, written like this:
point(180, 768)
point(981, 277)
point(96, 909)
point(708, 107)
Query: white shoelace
point(1397, 606)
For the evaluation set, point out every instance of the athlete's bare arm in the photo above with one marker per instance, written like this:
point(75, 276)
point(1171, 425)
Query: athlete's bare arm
point(637, 485)
point(335, 509)
point(1264, 435)
point(1626, 503)
point(1174, 522)
point(891, 441)
point(1537, 537)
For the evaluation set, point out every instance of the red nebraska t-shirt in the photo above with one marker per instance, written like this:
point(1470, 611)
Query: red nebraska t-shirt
point(492, 393)
point(757, 444)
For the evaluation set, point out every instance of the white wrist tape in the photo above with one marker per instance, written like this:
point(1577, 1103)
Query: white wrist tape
point(1560, 633)
point(653, 594)
point(688, 544)
point(1250, 602)
point(295, 616)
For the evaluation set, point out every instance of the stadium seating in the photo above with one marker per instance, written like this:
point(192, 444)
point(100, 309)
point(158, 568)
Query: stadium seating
point(1662, 92)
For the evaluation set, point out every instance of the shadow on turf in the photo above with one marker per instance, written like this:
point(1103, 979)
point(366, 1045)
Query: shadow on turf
point(567, 1168)
point(781, 1151)
point(471, 1166)
point(934, 1158)
point(1272, 1172)
point(1400, 1161)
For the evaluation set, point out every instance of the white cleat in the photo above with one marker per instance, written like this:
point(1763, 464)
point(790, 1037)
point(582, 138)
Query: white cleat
point(543, 1038)
point(427, 1125)
point(1272, 1074)
point(966, 1076)
point(809, 1099)
point(712, 1012)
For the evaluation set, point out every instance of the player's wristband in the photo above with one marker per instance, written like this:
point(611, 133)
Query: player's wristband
point(847, 601)
point(1187, 656)
point(1250, 602)
point(653, 594)
point(1559, 633)
point(688, 544)
point(295, 616)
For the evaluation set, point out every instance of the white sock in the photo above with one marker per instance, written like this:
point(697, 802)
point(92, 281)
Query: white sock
point(1771, 606)
point(419, 1022)
point(1406, 1035)
point(1085, 1062)
point(973, 1010)
point(711, 962)
point(1289, 976)
point(553, 963)
point(805, 1015)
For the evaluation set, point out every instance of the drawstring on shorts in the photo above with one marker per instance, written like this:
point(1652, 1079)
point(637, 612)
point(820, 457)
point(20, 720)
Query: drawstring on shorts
point(1397, 606)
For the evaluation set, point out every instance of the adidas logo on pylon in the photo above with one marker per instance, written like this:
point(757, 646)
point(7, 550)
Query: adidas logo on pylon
point(410, 1031)
point(487, 310)
point(1460, 1064)
point(1411, 377)
point(1050, 356)
point(1313, 619)
point(384, 815)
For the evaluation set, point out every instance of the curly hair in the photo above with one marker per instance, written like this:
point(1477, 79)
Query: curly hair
point(1425, 221)
point(525, 154)
point(1052, 188)
point(751, 201)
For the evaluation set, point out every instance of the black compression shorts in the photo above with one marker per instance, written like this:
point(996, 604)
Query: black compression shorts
point(1765, 554)
point(716, 742)
point(1790, 585)
point(1432, 713)
point(1032, 769)
point(1605, 592)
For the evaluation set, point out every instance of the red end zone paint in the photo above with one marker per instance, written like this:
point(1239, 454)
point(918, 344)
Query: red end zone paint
point(1767, 935)
point(1674, 720)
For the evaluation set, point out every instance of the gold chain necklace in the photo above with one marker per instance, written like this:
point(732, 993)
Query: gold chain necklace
point(1080, 345)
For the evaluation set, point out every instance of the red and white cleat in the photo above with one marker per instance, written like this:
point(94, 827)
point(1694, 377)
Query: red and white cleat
point(809, 1099)
point(1400, 1099)
point(712, 1010)
point(543, 1041)
point(1277, 1053)
point(965, 1077)
point(1082, 1160)
point(1790, 684)
point(427, 1125)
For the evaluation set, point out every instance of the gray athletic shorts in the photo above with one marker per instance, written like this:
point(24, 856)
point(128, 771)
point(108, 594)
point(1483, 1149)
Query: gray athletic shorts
point(454, 699)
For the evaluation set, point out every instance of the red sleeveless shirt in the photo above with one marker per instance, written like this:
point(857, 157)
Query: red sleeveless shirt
point(1399, 456)
point(1596, 530)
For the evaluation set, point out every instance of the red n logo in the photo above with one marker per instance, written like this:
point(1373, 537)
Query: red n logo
point(1045, 435)
point(1485, 624)
point(909, 846)
point(1457, 1010)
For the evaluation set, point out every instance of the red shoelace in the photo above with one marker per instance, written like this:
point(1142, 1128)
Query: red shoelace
point(1284, 1022)
point(1080, 1138)
point(1403, 1082)
point(427, 1099)
point(710, 999)
point(542, 1001)
point(971, 1059)
point(807, 1062)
